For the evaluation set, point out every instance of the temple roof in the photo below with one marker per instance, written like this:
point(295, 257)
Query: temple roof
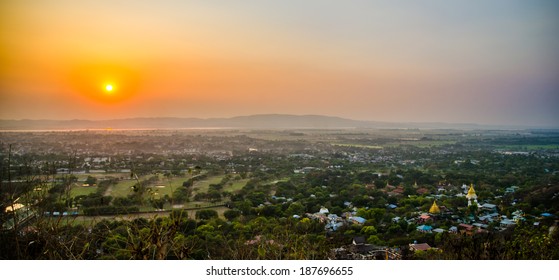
point(434, 208)
point(471, 192)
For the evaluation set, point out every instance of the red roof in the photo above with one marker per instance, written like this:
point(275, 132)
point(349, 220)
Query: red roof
point(399, 190)
point(467, 227)
point(420, 247)
point(422, 191)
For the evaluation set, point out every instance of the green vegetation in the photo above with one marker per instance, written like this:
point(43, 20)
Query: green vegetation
point(264, 194)
point(79, 190)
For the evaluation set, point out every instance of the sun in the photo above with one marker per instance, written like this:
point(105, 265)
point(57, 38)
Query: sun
point(104, 83)
point(109, 88)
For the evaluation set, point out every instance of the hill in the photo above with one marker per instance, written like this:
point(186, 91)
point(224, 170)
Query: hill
point(266, 121)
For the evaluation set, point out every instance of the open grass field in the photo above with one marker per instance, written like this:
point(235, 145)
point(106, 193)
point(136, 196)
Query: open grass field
point(122, 188)
point(358, 146)
point(235, 185)
point(91, 220)
point(397, 143)
point(163, 186)
point(166, 186)
point(424, 143)
point(204, 185)
point(528, 147)
point(78, 190)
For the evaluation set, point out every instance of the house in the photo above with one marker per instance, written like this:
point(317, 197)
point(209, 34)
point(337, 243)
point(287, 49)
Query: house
point(358, 220)
point(489, 207)
point(547, 215)
point(333, 225)
point(484, 226)
point(323, 210)
point(424, 218)
point(518, 215)
point(424, 228)
point(486, 219)
point(507, 223)
point(465, 228)
point(422, 191)
point(464, 188)
point(419, 247)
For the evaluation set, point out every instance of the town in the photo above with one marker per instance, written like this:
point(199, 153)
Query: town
point(279, 194)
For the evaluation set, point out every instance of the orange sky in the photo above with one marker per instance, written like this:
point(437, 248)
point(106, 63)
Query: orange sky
point(485, 63)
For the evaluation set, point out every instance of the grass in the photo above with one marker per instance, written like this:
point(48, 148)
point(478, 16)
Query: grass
point(92, 220)
point(421, 143)
point(236, 186)
point(123, 188)
point(358, 145)
point(524, 148)
point(204, 185)
point(79, 190)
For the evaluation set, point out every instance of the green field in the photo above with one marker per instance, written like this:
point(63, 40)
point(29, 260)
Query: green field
point(397, 143)
point(358, 146)
point(204, 185)
point(523, 148)
point(166, 186)
point(422, 143)
point(123, 188)
point(91, 220)
point(236, 185)
point(79, 190)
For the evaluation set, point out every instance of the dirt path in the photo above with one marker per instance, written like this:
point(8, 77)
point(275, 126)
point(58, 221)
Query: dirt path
point(108, 191)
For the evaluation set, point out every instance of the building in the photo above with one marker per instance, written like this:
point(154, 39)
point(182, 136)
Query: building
point(489, 207)
point(471, 196)
point(434, 208)
point(419, 247)
point(424, 228)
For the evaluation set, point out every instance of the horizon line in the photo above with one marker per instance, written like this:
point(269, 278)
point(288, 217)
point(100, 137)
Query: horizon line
point(372, 122)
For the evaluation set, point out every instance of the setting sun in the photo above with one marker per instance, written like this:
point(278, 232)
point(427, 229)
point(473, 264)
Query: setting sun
point(109, 88)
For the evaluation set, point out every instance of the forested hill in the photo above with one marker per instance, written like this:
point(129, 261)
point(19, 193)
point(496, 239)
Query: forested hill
point(268, 121)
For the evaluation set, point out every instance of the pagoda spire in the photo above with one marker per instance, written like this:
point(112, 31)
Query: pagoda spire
point(471, 196)
point(434, 208)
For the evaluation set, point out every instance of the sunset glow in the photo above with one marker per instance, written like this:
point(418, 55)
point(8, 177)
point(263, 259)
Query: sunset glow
point(492, 62)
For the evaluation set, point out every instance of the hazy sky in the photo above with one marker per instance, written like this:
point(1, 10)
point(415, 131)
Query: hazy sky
point(487, 62)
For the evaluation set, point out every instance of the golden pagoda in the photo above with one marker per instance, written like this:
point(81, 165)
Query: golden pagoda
point(434, 208)
point(471, 195)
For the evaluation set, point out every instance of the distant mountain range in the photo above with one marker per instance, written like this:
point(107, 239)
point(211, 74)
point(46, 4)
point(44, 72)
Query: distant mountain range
point(268, 121)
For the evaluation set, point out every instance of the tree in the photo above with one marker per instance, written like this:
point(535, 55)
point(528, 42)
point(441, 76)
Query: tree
point(91, 180)
point(232, 214)
point(295, 208)
point(369, 230)
point(214, 196)
point(206, 214)
point(373, 239)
